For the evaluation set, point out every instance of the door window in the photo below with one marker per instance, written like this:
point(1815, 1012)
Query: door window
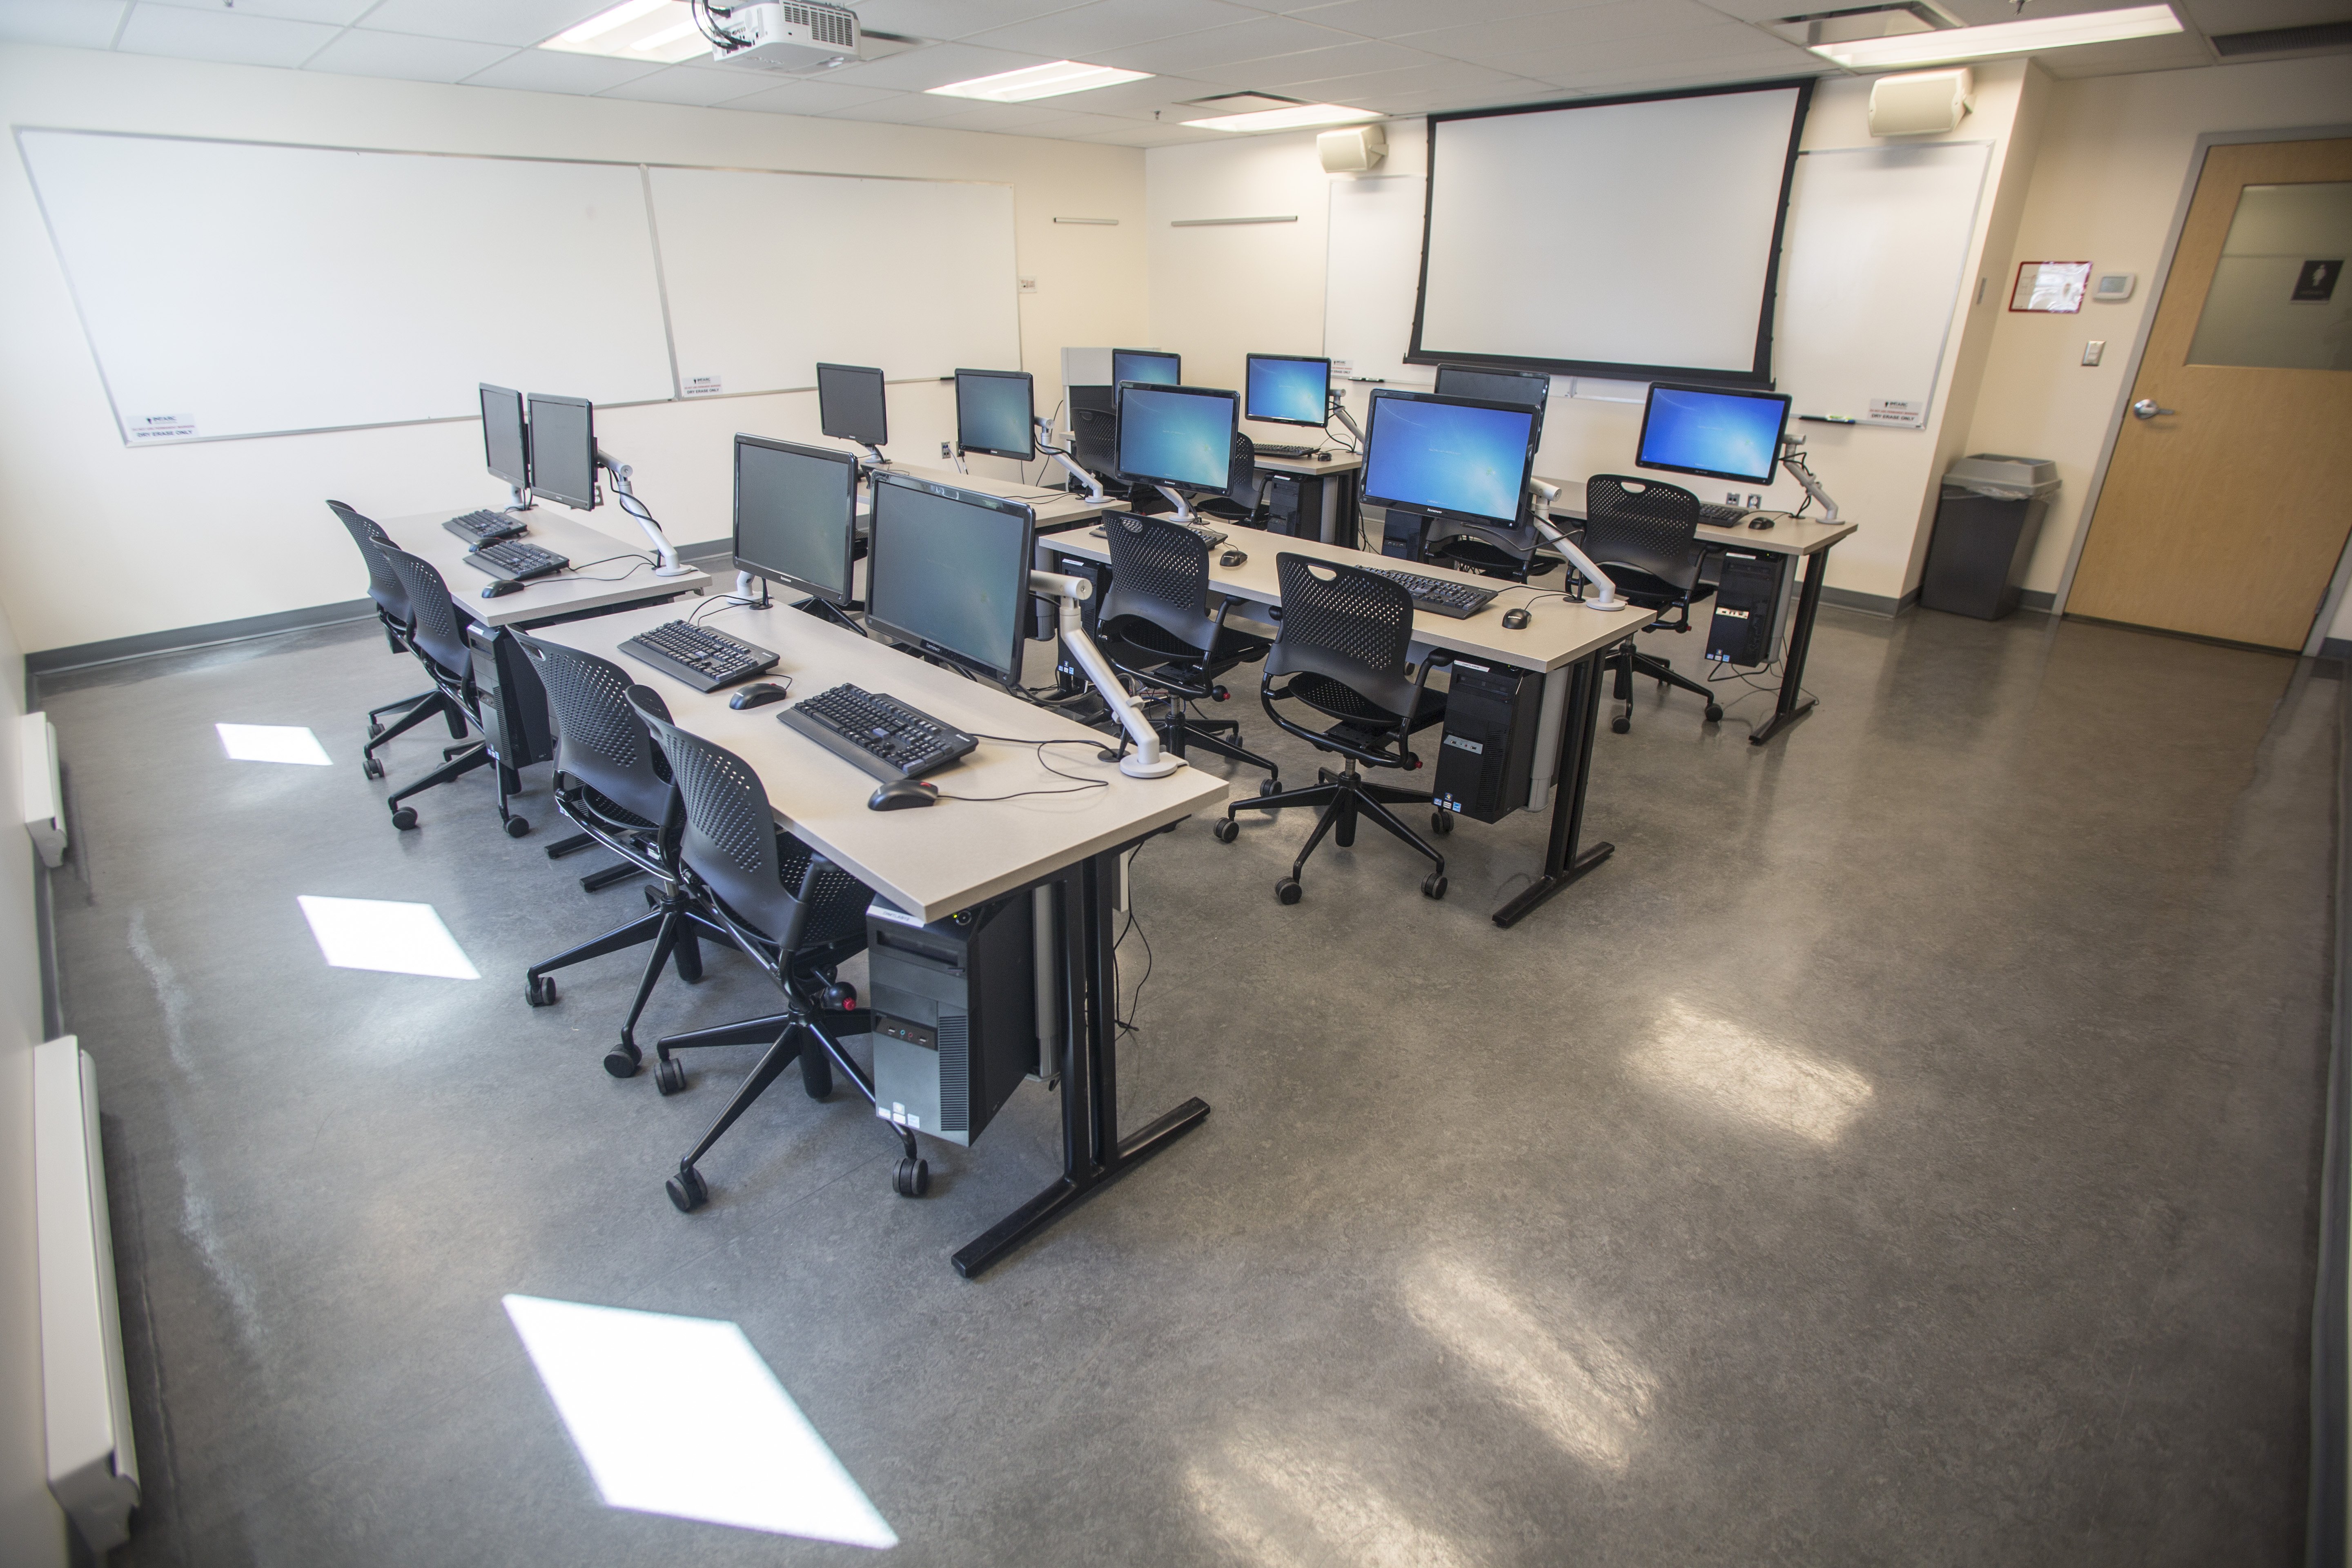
point(2277, 301)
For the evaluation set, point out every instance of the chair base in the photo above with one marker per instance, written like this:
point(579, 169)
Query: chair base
point(1345, 798)
point(1180, 733)
point(1629, 661)
point(674, 928)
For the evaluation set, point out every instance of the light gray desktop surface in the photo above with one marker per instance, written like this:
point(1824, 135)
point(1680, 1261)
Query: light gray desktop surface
point(568, 592)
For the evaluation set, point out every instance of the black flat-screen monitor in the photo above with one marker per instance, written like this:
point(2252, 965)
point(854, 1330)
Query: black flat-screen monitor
point(1181, 437)
point(947, 571)
point(563, 449)
point(1713, 433)
point(850, 404)
point(1146, 366)
point(1288, 389)
point(1449, 457)
point(995, 413)
point(796, 515)
point(506, 443)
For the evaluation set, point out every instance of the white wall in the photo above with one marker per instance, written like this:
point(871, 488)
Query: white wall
point(99, 541)
point(2116, 154)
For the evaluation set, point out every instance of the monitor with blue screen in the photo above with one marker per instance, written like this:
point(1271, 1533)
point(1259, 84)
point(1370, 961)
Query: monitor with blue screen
point(1289, 389)
point(1713, 433)
point(1149, 366)
point(995, 413)
point(1449, 457)
point(1181, 437)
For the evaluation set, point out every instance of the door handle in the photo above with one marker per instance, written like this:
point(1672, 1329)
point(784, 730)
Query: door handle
point(2145, 408)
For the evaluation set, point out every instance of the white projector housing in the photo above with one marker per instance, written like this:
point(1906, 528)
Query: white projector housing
point(1353, 150)
point(1921, 103)
point(789, 35)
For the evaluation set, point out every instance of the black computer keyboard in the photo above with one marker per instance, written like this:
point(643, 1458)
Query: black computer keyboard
point(701, 658)
point(1276, 450)
point(482, 527)
point(879, 733)
point(514, 561)
point(1721, 516)
point(1459, 601)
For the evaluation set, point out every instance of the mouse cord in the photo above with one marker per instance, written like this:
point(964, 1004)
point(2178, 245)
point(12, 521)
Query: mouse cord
point(1079, 784)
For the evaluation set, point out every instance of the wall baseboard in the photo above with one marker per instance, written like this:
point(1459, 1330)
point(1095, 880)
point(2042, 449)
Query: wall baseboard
point(2035, 599)
point(2336, 648)
point(1868, 603)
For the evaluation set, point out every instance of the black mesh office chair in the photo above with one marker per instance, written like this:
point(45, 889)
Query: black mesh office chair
point(392, 610)
point(613, 784)
point(1158, 628)
point(1345, 635)
point(438, 638)
point(793, 912)
point(1644, 534)
point(1241, 479)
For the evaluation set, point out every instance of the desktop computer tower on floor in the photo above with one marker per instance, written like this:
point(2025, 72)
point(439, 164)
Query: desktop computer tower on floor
point(1740, 630)
point(1294, 504)
point(955, 1014)
point(1488, 752)
point(511, 700)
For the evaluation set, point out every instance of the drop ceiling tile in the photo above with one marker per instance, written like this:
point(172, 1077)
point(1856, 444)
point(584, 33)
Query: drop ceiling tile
point(952, 18)
point(2257, 16)
point(1008, 118)
point(936, 66)
point(1685, 50)
point(2179, 51)
point(1644, 76)
point(696, 86)
point(803, 97)
point(1207, 55)
point(1140, 135)
point(333, 12)
point(1358, 58)
point(902, 109)
point(1436, 75)
point(361, 53)
point(222, 36)
point(1085, 31)
point(516, 22)
point(1138, 97)
point(1396, 18)
point(1509, 45)
point(74, 24)
point(553, 70)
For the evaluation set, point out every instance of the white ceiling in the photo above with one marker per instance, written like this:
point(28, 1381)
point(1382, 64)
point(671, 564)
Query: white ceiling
point(1398, 56)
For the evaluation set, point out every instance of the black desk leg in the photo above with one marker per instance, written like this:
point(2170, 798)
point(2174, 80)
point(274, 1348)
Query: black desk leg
point(1563, 861)
point(1092, 1155)
point(1793, 704)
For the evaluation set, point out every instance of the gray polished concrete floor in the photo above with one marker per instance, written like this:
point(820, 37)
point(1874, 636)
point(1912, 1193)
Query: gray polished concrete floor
point(1903, 1151)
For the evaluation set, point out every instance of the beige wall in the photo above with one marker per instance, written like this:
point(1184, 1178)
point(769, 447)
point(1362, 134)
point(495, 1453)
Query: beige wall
point(99, 541)
point(2116, 154)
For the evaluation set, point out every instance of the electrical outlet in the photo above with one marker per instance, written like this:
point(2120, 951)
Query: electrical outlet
point(2092, 350)
point(1028, 285)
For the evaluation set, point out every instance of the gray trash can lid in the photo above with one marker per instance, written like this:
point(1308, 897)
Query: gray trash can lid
point(2004, 477)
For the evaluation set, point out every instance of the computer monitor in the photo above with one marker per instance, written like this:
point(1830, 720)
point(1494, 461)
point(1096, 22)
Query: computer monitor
point(1711, 432)
point(1449, 457)
point(563, 449)
point(995, 413)
point(506, 442)
point(1288, 389)
point(947, 570)
point(796, 515)
point(1181, 437)
point(850, 405)
point(1148, 366)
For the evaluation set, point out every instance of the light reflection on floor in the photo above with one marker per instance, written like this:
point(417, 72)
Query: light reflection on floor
point(392, 938)
point(1736, 1072)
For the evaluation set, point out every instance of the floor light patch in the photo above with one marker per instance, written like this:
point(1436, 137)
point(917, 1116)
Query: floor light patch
point(680, 1416)
point(397, 939)
point(273, 744)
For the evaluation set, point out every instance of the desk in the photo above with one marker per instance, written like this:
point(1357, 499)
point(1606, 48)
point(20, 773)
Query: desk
point(1564, 641)
point(935, 862)
point(1057, 508)
point(543, 599)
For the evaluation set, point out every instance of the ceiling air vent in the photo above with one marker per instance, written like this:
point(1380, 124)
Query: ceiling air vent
point(2324, 37)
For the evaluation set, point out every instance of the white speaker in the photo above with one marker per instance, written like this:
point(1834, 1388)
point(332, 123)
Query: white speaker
point(1353, 150)
point(1921, 103)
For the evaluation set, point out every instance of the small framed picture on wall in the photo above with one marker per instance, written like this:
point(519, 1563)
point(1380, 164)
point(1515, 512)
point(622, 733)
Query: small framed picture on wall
point(2054, 287)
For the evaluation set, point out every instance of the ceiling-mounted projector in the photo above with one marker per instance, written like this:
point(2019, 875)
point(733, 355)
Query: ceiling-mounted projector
point(782, 35)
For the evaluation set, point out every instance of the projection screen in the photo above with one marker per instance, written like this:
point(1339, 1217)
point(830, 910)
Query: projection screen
point(1637, 238)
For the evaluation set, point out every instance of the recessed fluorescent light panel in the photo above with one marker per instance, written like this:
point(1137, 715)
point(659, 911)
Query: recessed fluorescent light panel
point(680, 1416)
point(2024, 38)
point(390, 938)
point(1297, 117)
point(1037, 82)
point(657, 32)
point(273, 744)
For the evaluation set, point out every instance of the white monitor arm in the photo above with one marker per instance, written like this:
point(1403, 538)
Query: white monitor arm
point(1184, 507)
point(1545, 495)
point(1338, 410)
point(521, 501)
point(1795, 461)
point(669, 564)
point(1061, 456)
point(1147, 760)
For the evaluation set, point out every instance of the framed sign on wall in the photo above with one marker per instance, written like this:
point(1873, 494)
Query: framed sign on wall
point(2056, 286)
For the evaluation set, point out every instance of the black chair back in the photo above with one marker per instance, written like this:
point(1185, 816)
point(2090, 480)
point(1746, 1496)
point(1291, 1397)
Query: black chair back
point(1645, 527)
point(795, 896)
point(1243, 474)
point(383, 584)
point(1346, 624)
point(437, 628)
point(1159, 575)
point(599, 738)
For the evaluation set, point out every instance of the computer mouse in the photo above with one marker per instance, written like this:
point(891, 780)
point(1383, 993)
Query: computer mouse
point(1514, 619)
point(1759, 522)
point(1322, 457)
point(759, 694)
point(501, 588)
point(1233, 558)
point(899, 795)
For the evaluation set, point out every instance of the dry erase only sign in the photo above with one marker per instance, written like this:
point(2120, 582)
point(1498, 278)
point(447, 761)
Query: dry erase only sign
point(1906, 412)
point(162, 428)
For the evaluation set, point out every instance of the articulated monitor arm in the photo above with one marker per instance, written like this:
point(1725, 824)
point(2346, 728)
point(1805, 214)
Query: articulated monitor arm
point(1795, 461)
point(1338, 410)
point(1147, 760)
point(627, 499)
point(1545, 495)
point(1061, 456)
point(521, 501)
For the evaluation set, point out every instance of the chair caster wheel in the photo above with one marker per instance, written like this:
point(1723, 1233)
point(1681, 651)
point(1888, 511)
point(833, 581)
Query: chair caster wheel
point(686, 1191)
point(538, 990)
point(516, 827)
point(1441, 823)
point(1288, 892)
point(913, 1178)
point(1271, 786)
point(1621, 724)
point(839, 997)
point(1434, 885)
point(1714, 711)
point(670, 1076)
point(622, 1060)
point(371, 766)
point(1225, 831)
point(374, 730)
point(405, 818)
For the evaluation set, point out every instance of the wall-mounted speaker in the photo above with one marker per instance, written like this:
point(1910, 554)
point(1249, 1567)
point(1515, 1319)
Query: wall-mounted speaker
point(1353, 150)
point(1921, 103)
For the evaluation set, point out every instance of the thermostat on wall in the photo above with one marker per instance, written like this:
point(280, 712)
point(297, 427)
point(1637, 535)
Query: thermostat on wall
point(2114, 288)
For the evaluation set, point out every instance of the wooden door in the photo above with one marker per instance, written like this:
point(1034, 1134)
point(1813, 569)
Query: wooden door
point(2223, 515)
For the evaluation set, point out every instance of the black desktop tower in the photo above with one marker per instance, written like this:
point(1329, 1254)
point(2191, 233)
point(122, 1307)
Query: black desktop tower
point(955, 1015)
point(1403, 534)
point(1294, 504)
point(1740, 631)
point(513, 703)
point(1094, 428)
point(1488, 752)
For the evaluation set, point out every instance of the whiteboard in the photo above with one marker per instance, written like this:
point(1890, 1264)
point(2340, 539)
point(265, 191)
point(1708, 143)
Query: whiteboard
point(1870, 273)
point(240, 288)
point(770, 273)
point(1372, 276)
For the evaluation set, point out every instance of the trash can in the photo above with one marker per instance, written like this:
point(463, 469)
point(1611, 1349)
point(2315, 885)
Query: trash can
point(1987, 521)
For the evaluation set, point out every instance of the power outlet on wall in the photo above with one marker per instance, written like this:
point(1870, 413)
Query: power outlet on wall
point(1028, 285)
